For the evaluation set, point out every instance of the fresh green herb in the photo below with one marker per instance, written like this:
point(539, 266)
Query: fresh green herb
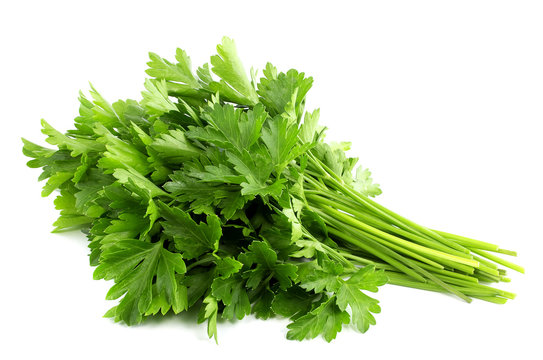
point(221, 194)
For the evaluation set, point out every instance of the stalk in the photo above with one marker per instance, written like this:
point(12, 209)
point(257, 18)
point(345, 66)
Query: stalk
point(499, 260)
point(350, 207)
point(413, 255)
point(384, 254)
point(404, 243)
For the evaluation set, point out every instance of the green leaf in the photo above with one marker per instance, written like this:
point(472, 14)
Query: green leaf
point(281, 139)
point(197, 285)
point(310, 131)
point(296, 226)
point(308, 248)
point(35, 151)
point(204, 196)
point(234, 83)
point(293, 302)
point(76, 146)
point(367, 278)
point(334, 157)
point(279, 233)
point(120, 154)
point(276, 90)
point(101, 111)
point(120, 197)
point(360, 304)
point(227, 266)
point(133, 265)
point(155, 99)
point(363, 183)
point(314, 224)
point(327, 319)
point(218, 174)
point(256, 167)
point(262, 307)
point(55, 181)
point(174, 147)
point(162, 304)
point(231, 128)
point(127, 226)
point(191, 238)
point(210, 310)
point(180, 73)
point(285, 275)
point(70, 222)
point(128, 176)
point(231, 291)
point(262, 254)
point(320, 278)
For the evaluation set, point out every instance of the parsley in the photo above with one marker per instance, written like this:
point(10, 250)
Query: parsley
point(217, 191)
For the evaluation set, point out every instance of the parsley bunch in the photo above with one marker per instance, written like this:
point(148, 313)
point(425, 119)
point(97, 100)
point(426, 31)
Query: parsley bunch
point(217, 191)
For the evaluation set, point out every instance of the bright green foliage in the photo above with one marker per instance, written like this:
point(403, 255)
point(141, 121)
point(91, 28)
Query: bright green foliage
point(209, 312)
point(294, 302)
point(349, 295)
point(323, 278)
point(326, 319)
point(133, 264)
point(342, 294)
point(179, 74)
point(265, 258)
point(227, 266)
point(217, 191)
point(234, 84)
point(173, 148)
point(232, 292)
point(190, 238)
point(276, 89)
point(156, 99)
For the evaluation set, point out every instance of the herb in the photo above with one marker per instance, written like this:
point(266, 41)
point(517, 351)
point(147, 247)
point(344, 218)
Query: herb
point(218, 191)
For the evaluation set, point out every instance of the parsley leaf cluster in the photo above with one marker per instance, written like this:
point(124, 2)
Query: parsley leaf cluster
point(218, 191)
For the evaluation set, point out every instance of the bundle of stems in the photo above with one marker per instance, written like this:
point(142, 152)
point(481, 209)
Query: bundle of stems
point(411, 255)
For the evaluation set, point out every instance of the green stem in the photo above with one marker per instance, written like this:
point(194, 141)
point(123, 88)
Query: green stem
point(398, 220)
point(499, 260)
point(479, 293)
point(449, 273)
point(376, 252)
point(471, 243)
point(331, 252)
point(362, 261)
point(506, 252)
point(382, 225)
point(404, 243)
point(203, 261)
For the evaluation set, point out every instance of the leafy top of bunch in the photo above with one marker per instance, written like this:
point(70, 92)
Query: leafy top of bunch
point(194, 196)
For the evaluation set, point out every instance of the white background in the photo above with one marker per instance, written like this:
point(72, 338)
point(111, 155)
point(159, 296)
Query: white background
point(441, 99)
